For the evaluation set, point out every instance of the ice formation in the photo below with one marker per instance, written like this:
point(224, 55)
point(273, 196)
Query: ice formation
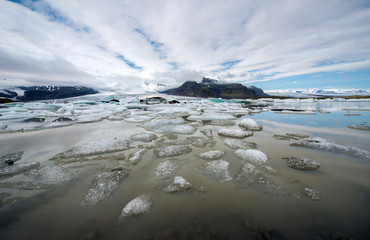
point(179, 184)
point(217, 169)
point(137, 206)
point(302, 163)
point(235, 133)
point(290, 136)
point(24, 185)
point(239, 144)
point(211, 116)
point(144, 137)
point(207, 132)
point(252, 155)
point(312, 194)
point(10, 158)
point(98, 147)
point(17, 168)
point(103, 185)
point(166, 169)
point(250, 124)
point(326, 145)
point(175, 129)
point(51, 174)
point(212, 155)
point(199, 142)
point(170, 151)
point(136, 157)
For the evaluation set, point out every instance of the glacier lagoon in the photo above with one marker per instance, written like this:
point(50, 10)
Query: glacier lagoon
point(279, 169)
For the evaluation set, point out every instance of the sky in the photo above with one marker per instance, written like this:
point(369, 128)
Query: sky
point(122, 44)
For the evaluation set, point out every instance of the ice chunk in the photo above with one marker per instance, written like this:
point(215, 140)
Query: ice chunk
point(102, 146)
point(250, 124)
point(236, 133)
point(144, 137)
point(163, 122)
point(290, 136)
point(137, 206)
point(213, 155)
point(221, 122)
point(199, 142)
point(207, 132)
point(3, 126)
point(179, 184)
point(103, 185)
point(170, 151)
point(136, 157)
point(250, 177)
point(252, 155)
point(302, 163)
point(314, 195)
point(51, 174)
point(10, 158)
point(175, 129)
point(24, 185)
point(211, 116)
point(217, 170)
point(239, 144)
point(326, 145)
point(89, 119)
point(138, 118)
point(16, 169)
point(166, 169)
point(358, 127)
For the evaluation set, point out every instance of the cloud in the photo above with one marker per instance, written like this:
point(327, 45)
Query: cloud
point(119, 43)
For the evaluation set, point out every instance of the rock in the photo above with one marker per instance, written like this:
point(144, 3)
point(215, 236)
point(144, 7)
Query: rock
point(239, 144)
point(302, 163)
point(103, 185)
point(35, 119)
point(170, 151)
point(17, 168)
point(144, 137)
point(173, 102)
point(217, 170)
point(212, 155)
point(9, 162)
point(252, 155)
point(250, 124)
point(137, 206)
point(179, 184)
point(63, 119)
point(235, 133)
point(51, 174)
point(312, 194)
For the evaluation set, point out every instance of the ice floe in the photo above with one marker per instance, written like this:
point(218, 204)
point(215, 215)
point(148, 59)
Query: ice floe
point(103, 185)
point(170, 151)
point(179, 184)
point(326, 145)
point(144, 137)
point(217, 170)
point(137, 206)
point(17, 168)
point(312, 194)
point(24, 185)
point(212, 155)
point(175, 129)
point(207, 132)
point(10, 158)
point(250, 124)
point(166, 169)
point(98, 147)
point(51, 174)
point(211, 116)
point(199, 142)
point(302, 163)
point(252, 155)
point(235, 133)
point(239, 144)
point(290, 136)
point(135, 157)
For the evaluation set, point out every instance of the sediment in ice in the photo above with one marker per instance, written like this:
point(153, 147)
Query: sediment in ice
point(137, 206)
point(302, 163)
point(212, 155)
point(290, 136)
point(250, 124)
point(179, 184)
point(17, 168)
point(199, 142)
point(239, 144)
point(326, 145)
point(144, 137)
point(51, 174)
point(103, 185)
point(170, 151)
point(134, 158)
point(252, 155)
point(235, 133)
point(166, 169)
point(207, 132)
point(312, 194)
point(217, 170)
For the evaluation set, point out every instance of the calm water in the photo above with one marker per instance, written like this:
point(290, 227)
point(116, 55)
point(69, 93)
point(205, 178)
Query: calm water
point(224, 211)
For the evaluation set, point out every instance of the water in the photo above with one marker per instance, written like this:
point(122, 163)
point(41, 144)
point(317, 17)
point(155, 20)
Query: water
point(210, 209)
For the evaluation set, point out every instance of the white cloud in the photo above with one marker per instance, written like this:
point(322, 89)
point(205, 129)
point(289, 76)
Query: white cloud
point(119, 44)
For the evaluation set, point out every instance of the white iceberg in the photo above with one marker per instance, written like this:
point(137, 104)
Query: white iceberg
point(137, 206)
point(217, 170)
point(235, 133)
point(211, 116)
point(239, 144)
point(144, 137)
point(175, 129)
point(212, 155)
point(250, 124)
point(170, 151)
point(179, 184)
point(252, 155)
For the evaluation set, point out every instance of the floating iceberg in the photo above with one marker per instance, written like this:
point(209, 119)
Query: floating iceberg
point(302, 163)
point(252, 155)
point(179, 184)
point(212, 155)
point(137, 156)
point(326, 145)
point(312, 194)
point(235, 133)
point(239, 144)
point(138, 119)
point(51, 174)
point(166, 169)
point(170, 151)
point(250, 124)
point(207, 132)
point(103, 185)
point(199, 142)
point(175, 129)
point(10, 158)
point(137, 206)
point(18, 168)
point(217, 170)
point(158, 122)
point(98, 147)
point(290, 136)
point(211, 116)
point(144, 137)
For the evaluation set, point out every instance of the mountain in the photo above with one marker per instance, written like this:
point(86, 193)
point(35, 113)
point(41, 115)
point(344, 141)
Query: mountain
point(45, 92)
point(212, 89)
point(318, 92)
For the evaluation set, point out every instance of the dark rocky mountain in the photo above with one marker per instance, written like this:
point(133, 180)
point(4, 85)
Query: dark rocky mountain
point(45, 92)
point(212, 89)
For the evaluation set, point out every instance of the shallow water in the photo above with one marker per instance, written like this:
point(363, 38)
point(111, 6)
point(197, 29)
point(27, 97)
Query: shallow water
point(223, 210)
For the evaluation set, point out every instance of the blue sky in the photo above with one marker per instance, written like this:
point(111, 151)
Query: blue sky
point(120, 44)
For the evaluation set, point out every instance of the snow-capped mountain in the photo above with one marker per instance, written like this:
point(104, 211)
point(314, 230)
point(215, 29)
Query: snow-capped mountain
point(154, 87)
point(318, 92)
